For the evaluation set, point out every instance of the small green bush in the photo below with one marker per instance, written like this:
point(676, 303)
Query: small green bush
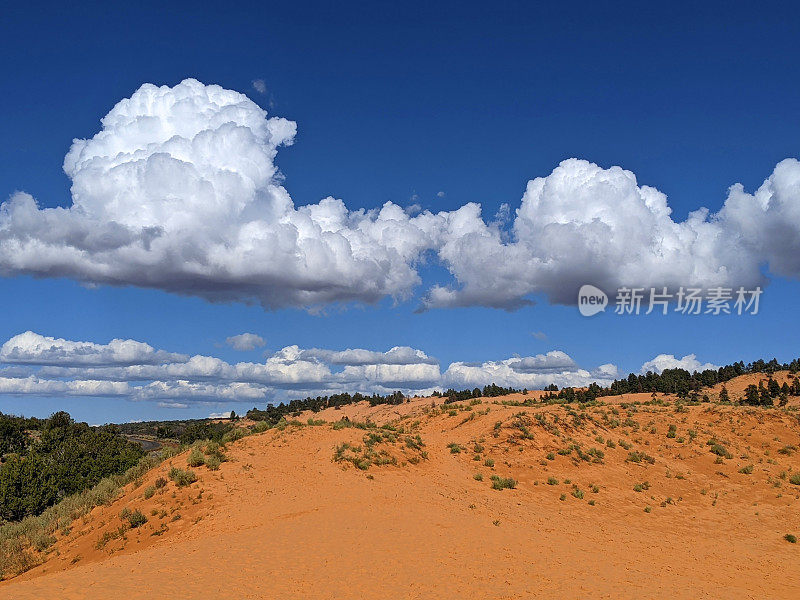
point(149, 492)
point(502, 483)
point(790, 538)
point(196, 458)
point(181, 477)
point(720, 451)
point(136, 519)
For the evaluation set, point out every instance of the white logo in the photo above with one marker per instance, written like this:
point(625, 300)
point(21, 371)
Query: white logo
point(591, 300)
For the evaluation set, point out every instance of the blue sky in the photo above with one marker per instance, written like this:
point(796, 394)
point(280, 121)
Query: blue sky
point(400, 103)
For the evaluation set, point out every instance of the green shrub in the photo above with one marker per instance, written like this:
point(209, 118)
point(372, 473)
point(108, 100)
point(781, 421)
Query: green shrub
point(213, 462)
point(552, 481)
point(160, 483)
point(181, 477)
point(136, 519)
point(746, 470)
point(149, 492)
point(637, 457)
point(478, 477)
point(720, 451)
point(489, 462)
point(196, 458)
point(795, 479)
point(502, 483)
point(790, 538)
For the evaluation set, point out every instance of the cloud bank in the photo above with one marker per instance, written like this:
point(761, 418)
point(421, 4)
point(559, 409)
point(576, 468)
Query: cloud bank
point(179, 191)
point(36, 365)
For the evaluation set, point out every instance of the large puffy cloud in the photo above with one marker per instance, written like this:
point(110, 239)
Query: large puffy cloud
point(768, 221)
point(179, 191)
point(585, 224)
point(669, 361)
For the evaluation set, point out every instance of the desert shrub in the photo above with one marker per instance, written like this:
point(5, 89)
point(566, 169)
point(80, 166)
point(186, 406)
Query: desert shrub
point(233, 435)
point(454, 448)
point(182, 477)
point(160, 483)
point(578, 493)
point(552, 481)
point(720, 451)
point(502, 483)
point(795, 479)
point(637, 457)
point(149, 492)
point(260, 427)
point(790, 538)
point(213, 462)
point(489, 462)
point(478, 477)
point(415, 443)
point(746, 470)
point(196, 458)
point(136, 519)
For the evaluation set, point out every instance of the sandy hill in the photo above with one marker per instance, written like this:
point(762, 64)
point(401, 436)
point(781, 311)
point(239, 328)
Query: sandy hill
point(626, 499)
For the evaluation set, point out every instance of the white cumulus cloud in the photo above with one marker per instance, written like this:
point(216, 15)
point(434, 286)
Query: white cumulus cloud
point(179, 191)
point(669, 361)
point(33, 349)
point(245, 341)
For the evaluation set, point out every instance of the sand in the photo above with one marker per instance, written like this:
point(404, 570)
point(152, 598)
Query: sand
point(281, 519)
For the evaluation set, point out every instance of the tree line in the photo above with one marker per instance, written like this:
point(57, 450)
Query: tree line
point(684, 384)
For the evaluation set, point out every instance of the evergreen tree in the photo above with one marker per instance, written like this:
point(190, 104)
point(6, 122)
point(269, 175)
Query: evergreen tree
point(723, 395)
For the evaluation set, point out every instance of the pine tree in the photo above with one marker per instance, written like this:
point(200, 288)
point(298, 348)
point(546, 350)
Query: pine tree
point(723, 395)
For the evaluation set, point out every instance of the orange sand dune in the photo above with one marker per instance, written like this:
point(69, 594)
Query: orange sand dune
point(282, 519)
